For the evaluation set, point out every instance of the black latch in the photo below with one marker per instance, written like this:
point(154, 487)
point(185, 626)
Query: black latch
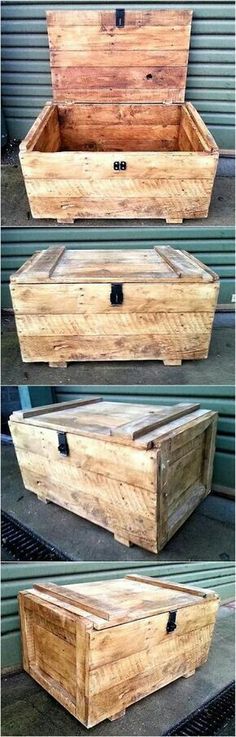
point(171, 624)
point(63, 444)
point(116, 296)
point(120, 18)
point(119, 165)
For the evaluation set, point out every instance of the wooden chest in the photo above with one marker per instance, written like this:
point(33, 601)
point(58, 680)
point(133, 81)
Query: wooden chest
point(99, 647)
point(114, 305)
point(118, 140)
point(137, 470)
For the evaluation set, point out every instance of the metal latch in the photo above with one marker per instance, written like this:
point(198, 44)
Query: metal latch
point(116, 296)
point(171, 624)
point(120, 18)
point(119, 165)
point(63, 444)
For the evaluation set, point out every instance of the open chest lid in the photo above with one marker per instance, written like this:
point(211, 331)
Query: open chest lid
point(163, 264)
point(141, 425)
point(108, 603)
point(119, 55)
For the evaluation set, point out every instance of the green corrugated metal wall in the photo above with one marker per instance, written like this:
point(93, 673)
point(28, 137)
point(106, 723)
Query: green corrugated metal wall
point(16, 577)
point(26, 74)
point(215, 246)
point(218, 398)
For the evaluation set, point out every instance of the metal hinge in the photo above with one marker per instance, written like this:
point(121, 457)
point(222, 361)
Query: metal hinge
point(120, 18)
point(171, 624)
point(116, 296)
point(63, 444)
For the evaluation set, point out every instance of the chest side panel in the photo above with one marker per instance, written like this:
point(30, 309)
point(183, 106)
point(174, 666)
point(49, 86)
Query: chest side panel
point(132, 660)
point(49, 649)
point(97, 56)
point(186, 473)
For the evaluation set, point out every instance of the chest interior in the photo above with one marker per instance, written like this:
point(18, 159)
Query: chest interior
point(119, 127)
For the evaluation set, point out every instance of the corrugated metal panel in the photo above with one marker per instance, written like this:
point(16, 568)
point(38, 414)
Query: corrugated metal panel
point(16, 577)
point(26, 81)
point(215, 246)
point(219, 398)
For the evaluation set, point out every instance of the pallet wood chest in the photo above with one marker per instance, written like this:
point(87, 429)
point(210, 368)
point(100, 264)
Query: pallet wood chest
point(118, 140)
point(136, 470)
point(114, 305)
point(99, 647)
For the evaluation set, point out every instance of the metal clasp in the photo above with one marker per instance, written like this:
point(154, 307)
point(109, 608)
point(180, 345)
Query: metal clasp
point(63, 444)
point(119, 165)
point(116, 296)
point(171, 624)
point(120, 18)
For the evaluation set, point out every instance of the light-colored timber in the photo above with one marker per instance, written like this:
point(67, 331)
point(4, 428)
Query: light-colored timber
point(63, 308)
point(126, 640)
point(118, 140)
point(136, 470)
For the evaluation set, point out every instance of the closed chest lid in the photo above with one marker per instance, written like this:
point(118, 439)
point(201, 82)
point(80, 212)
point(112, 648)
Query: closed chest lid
point(162, 264)
point(108, 603)
point(119, 422)
point(119, 55)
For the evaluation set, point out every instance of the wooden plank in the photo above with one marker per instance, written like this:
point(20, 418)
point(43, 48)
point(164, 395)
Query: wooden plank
point(99, 165)
point(149, 207)
point(151, 422)
point(62, 58)
point(46, 299)
point(37, 127)
point(115, 324)
point(41, 264)
point(184, 265)
point(94, 347)
point(64, 593)
point(106, 18)
point(46, 409)
point(192, 590)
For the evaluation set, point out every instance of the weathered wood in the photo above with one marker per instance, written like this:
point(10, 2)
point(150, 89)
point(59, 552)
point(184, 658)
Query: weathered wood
point(113, 475)
point(97, 667)
point(46, 409)
point(64, 310)
point(119, 94)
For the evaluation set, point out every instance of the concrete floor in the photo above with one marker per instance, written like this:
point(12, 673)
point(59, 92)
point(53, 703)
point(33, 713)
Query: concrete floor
point(16, 211)
point(218, 368)
point(28, 710)
point(207, 535)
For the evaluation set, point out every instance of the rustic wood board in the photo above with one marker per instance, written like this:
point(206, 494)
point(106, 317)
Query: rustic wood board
point(98, 674)
point(120, 73)
point(136, 471)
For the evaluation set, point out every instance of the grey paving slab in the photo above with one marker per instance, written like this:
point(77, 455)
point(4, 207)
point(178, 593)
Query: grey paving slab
point(28, 710)
point(218, 368)
point(207, 535)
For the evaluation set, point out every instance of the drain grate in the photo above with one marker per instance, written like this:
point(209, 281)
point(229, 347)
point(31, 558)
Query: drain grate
point(213, 716)
point(22, 544)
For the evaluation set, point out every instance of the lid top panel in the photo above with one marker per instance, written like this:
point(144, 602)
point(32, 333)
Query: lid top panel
point(122, 56)
point(160, 264)
point(122, 600)
point(118, 422)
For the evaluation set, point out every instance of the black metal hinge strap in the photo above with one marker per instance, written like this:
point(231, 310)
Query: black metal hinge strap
point(116, 296)
point(120, 18)
point(171, 624)
point(63, 444)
